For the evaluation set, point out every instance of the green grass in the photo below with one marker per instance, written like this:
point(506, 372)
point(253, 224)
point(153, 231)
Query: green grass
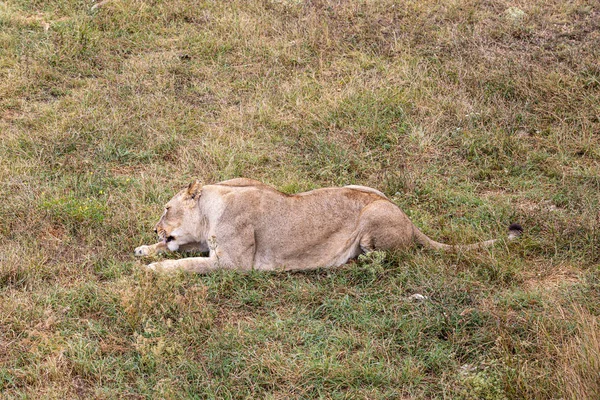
point(467, 114)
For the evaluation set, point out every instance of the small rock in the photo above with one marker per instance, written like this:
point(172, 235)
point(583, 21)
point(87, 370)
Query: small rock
point(417, 297)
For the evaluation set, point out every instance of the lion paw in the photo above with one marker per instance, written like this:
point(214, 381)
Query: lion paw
point(143, 251)
point(151, 267)
point(162, 266)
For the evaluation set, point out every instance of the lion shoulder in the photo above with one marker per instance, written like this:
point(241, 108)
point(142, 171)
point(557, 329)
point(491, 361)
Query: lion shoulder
point(242, 182)
point(232, 185)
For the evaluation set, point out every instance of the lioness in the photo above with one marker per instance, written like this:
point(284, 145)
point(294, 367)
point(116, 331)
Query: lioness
point(246, 224)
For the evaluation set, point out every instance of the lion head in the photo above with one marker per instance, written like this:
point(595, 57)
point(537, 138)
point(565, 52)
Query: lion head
point(180, 222)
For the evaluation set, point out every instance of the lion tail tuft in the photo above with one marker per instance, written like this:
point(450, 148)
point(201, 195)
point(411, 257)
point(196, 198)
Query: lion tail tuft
point(514, 231)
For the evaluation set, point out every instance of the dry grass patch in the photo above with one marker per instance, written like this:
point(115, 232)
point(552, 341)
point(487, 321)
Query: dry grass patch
point(580, 357)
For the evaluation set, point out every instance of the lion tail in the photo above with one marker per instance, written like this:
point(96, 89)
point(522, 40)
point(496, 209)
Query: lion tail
point(514, 231)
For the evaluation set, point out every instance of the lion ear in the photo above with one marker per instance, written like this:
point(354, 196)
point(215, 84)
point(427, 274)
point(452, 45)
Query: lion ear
point(194, 189)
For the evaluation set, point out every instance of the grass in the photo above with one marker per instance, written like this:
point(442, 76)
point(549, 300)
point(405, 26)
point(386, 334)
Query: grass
point(469, 115)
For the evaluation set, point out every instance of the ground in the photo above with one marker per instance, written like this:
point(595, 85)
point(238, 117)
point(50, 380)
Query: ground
point(469, 115)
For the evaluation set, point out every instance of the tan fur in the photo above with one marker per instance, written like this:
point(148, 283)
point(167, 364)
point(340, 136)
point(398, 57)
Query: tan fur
point(245, 224)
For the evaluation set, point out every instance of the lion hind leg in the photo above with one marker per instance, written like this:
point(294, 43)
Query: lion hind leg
point(367, 244)
point(384, 226)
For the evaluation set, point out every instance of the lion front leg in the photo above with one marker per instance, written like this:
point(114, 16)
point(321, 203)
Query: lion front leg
point(200, 265)
point(150, 250)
